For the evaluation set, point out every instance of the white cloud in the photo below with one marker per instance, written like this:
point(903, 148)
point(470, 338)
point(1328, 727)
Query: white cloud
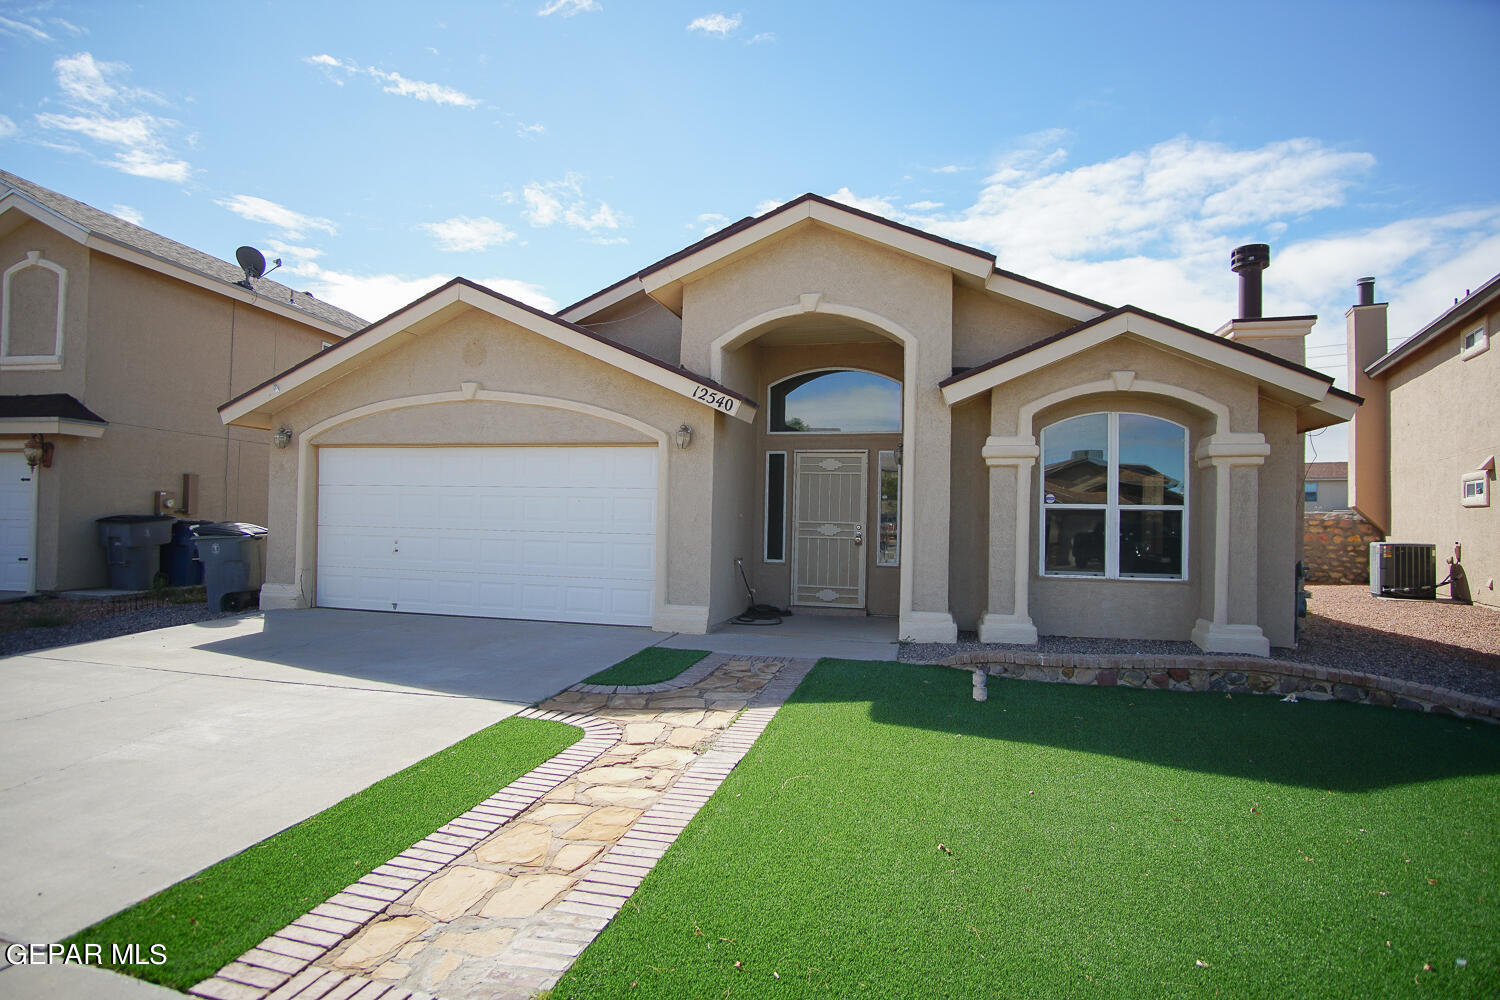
point(567, 8)
point(762, 38)
point(710, 222)
point(7, 127)
point(769, 204)
point(106, 111)
point(551, 202)
point(131, 215)
point(20, 29)
point(951, 168)
point(462, 233)
point(715, 24)
point(924, 206)
point(374, 296)
point(531, 131)
point(294, 251)
point(422, 91)
point(876, 205)
point(292, 224)
point(395, 83)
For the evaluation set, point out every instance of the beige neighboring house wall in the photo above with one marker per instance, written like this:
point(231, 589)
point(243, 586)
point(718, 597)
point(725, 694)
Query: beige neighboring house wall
point(985, 361)
point(1443, 425)
point(151, 346)
point(1332, 481)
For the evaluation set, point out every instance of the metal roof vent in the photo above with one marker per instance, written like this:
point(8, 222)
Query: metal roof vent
point(1248, 261)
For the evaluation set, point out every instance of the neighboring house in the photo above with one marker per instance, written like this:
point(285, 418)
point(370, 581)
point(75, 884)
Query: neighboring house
point(851, 410)
point(116, 345)
point(1325, 486)
point(1422, 450)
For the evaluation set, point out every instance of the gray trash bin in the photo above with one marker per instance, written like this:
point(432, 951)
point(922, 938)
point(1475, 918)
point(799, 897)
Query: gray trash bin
point(234, 562)
point(132, 548)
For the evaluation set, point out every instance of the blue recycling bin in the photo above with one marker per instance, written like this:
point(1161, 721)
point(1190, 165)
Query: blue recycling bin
point(179, 557)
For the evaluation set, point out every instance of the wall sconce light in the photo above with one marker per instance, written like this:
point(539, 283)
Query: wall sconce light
point(684, 436)
point(38, 451)
point(283, 437)
point(899, 449)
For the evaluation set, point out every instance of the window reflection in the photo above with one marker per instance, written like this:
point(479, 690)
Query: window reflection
point(836, 402)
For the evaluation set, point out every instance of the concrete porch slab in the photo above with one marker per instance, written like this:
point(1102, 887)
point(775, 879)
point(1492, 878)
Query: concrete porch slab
point(802, 636)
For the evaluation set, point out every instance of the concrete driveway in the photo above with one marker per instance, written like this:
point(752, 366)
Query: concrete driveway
point(131, 763)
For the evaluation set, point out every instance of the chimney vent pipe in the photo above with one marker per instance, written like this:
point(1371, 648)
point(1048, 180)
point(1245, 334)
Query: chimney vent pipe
point(1366, 288)
point(1248, 261)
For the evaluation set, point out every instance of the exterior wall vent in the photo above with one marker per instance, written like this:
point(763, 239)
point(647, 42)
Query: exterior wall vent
point(1403, 569)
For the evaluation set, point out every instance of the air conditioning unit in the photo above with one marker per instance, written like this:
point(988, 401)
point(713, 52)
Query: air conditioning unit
point(1403, 569)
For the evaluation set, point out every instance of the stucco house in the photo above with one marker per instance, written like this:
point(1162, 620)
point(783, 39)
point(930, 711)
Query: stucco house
point(867, 418)
point(116, 346)
point(1325, 486)
point(1422, 449)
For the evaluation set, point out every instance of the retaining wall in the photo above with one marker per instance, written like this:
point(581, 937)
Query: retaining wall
point(1336, 546)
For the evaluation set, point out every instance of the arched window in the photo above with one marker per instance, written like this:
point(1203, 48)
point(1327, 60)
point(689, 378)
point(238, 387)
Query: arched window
point(1114, 495)
point(838, 401)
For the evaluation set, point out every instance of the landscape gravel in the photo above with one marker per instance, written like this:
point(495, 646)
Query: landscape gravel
point(29, 640)
point(1449, 645)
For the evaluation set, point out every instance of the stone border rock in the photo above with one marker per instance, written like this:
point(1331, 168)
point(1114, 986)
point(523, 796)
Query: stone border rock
point(283, 962)
point(692, 675)
point(1230, 674)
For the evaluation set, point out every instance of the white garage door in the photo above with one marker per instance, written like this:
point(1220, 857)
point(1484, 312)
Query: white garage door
point(556, 534)
point(17, 521)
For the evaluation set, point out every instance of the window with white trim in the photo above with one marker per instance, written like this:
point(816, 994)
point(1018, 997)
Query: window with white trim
point(1474, 343)
point(1114, 497)
point(775, 520)
point(888, 528)
point(1476, 489)
point(1310, 492)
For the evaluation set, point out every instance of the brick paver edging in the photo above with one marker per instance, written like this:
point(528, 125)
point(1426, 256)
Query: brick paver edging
point(692, 675)
point(1230, 674)
point(280, 967)
point(601, 894)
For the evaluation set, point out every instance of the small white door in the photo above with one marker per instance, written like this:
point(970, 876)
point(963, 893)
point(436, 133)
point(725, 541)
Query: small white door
point(17, 523)
point(828, 529)
point(554, 534)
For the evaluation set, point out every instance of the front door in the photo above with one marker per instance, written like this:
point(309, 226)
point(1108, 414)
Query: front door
point(828, 529)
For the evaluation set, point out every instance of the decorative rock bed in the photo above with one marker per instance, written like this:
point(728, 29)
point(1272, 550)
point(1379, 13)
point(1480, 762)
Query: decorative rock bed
point(1229, 674)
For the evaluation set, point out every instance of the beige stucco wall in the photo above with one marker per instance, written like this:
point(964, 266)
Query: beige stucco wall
point(1444, 422)
point(642, 324)
point(970, 546)
point(987, 326)
point(474, 346)
point(1279, 508)
point(154, 357)
point(1333, 494)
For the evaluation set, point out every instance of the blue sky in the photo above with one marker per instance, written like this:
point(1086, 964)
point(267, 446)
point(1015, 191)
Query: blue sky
point(549, 148)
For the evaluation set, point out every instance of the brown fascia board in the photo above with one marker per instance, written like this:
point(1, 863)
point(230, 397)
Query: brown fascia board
point(343, 344)
point(1144, 314)
point(751, 220)
point(1460, 311)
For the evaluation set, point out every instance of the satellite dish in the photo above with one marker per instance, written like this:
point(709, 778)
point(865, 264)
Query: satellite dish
point(252, 262)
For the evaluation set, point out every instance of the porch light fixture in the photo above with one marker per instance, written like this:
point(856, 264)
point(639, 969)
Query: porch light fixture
point(283, 437)
point(684, 436)
point(38, 451)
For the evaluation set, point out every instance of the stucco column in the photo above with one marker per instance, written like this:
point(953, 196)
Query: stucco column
point(1235, 459)
point(927, 446)
point(1006, 618)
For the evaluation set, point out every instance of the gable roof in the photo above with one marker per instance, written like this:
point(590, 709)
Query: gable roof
point(660, 277)
point(1324, 471)
point(113, 235)
point(1476, 301)
point(249, 408)
point(1293, 382)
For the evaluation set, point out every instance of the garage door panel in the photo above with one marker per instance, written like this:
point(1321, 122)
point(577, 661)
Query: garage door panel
point(564, 534)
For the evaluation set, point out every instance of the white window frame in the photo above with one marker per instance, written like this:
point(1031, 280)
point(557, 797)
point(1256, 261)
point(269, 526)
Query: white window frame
point(1479, 496)
point(1112, 505)
point(879, 472)
point(900, 402)
point(765, 534)
point(1309, 487)
point(1481, 343)
point(33, 362)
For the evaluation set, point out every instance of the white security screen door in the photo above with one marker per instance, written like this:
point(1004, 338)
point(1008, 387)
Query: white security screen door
point(17, 522)
point(828, 529)
point(555, 534)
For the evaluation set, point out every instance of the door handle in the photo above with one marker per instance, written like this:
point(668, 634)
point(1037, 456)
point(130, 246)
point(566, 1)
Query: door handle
point(859, 534)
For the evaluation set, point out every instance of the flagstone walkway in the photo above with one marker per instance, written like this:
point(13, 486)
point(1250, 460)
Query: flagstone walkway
point(497, 904)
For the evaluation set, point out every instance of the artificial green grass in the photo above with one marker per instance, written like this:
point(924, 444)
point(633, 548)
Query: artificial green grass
point(650, 666)
point(890, 837)
point(217, 915)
